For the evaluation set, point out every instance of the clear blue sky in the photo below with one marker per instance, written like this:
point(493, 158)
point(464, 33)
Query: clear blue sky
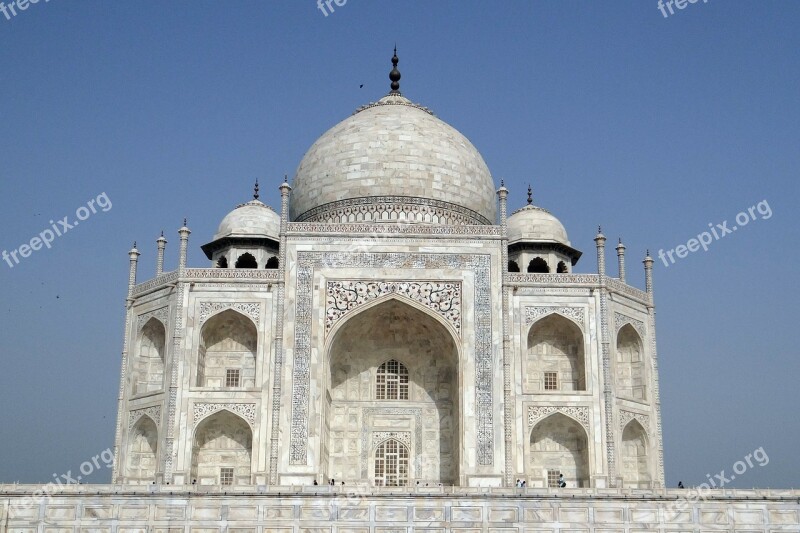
point(653, 127)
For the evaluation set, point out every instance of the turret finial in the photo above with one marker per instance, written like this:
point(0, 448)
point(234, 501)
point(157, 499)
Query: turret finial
point(530, 195)
point(394, 75)
point(255, 190)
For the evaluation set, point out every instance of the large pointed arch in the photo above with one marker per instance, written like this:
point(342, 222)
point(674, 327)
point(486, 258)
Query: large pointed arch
point(141, 455)
point(634, 455)
point(555, 358)
point(392, 328)
point(227, 348)
point(558, 444)
point(222, 450)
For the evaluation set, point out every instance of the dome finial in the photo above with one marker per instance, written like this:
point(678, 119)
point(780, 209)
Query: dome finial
point(394, 75)
point(530, 195)
point(255, 190)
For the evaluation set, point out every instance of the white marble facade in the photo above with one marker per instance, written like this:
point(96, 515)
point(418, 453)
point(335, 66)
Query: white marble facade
point(384, 326)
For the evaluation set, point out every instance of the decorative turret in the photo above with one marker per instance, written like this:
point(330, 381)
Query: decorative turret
point(648, 274)
point(621, 260)
point(184, 233)
point(134, 258)
point(161, 243)
point(502, 194)
point(600, 240)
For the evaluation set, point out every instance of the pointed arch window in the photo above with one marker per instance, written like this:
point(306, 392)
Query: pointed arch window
point(392, 381)
point(391, 464)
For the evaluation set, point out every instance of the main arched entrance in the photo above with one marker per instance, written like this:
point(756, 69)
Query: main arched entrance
point(392, 378)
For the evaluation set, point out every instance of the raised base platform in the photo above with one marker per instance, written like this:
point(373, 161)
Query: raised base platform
point(318, 509)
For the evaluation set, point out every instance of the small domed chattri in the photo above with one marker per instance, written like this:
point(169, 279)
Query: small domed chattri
point(394, 75)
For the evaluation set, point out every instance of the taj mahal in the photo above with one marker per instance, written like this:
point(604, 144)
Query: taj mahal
point(390, 323)
point(403, 327)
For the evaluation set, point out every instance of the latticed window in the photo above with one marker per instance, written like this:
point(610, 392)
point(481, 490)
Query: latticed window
point(392, 381)
point(232, 376)
point(226, 476)
point(552, 478)
point(551, 381)
point(391, 464)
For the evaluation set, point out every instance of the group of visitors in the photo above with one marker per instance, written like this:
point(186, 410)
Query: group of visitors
point(521, 483)
point(332, 482)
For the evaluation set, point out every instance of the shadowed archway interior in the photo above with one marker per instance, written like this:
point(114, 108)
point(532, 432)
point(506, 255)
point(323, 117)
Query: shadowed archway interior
point(393, 373)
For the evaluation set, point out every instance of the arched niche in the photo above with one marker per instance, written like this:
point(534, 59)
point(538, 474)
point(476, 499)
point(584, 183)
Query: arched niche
point(227, 350)
point(558, 445)
point(555, 356)
point(149, 361)
point(222, 450)
point(415, 345)
point(630, 371)
point(635, 468)
point(142, 452)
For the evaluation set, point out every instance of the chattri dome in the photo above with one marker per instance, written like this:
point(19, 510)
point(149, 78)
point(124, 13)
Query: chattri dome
point(393, 160)
point(535, 224)
point(251, 219)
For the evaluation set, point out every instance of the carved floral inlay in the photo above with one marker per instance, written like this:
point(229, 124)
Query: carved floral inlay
point(160, 314)
point(539, 412)
point(251, 309)
point(245, 410)
point(154, 412)
point(532, 314)
point(402, 436)
point(620, 320)
point(345, 295)
point(627, 416)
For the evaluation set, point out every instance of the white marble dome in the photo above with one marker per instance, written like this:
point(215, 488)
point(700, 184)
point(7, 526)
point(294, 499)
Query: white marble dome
point(393, 157)
point(252, 219)
point(535, 224)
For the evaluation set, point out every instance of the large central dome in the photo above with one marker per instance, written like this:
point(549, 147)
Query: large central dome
point(393, 160)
